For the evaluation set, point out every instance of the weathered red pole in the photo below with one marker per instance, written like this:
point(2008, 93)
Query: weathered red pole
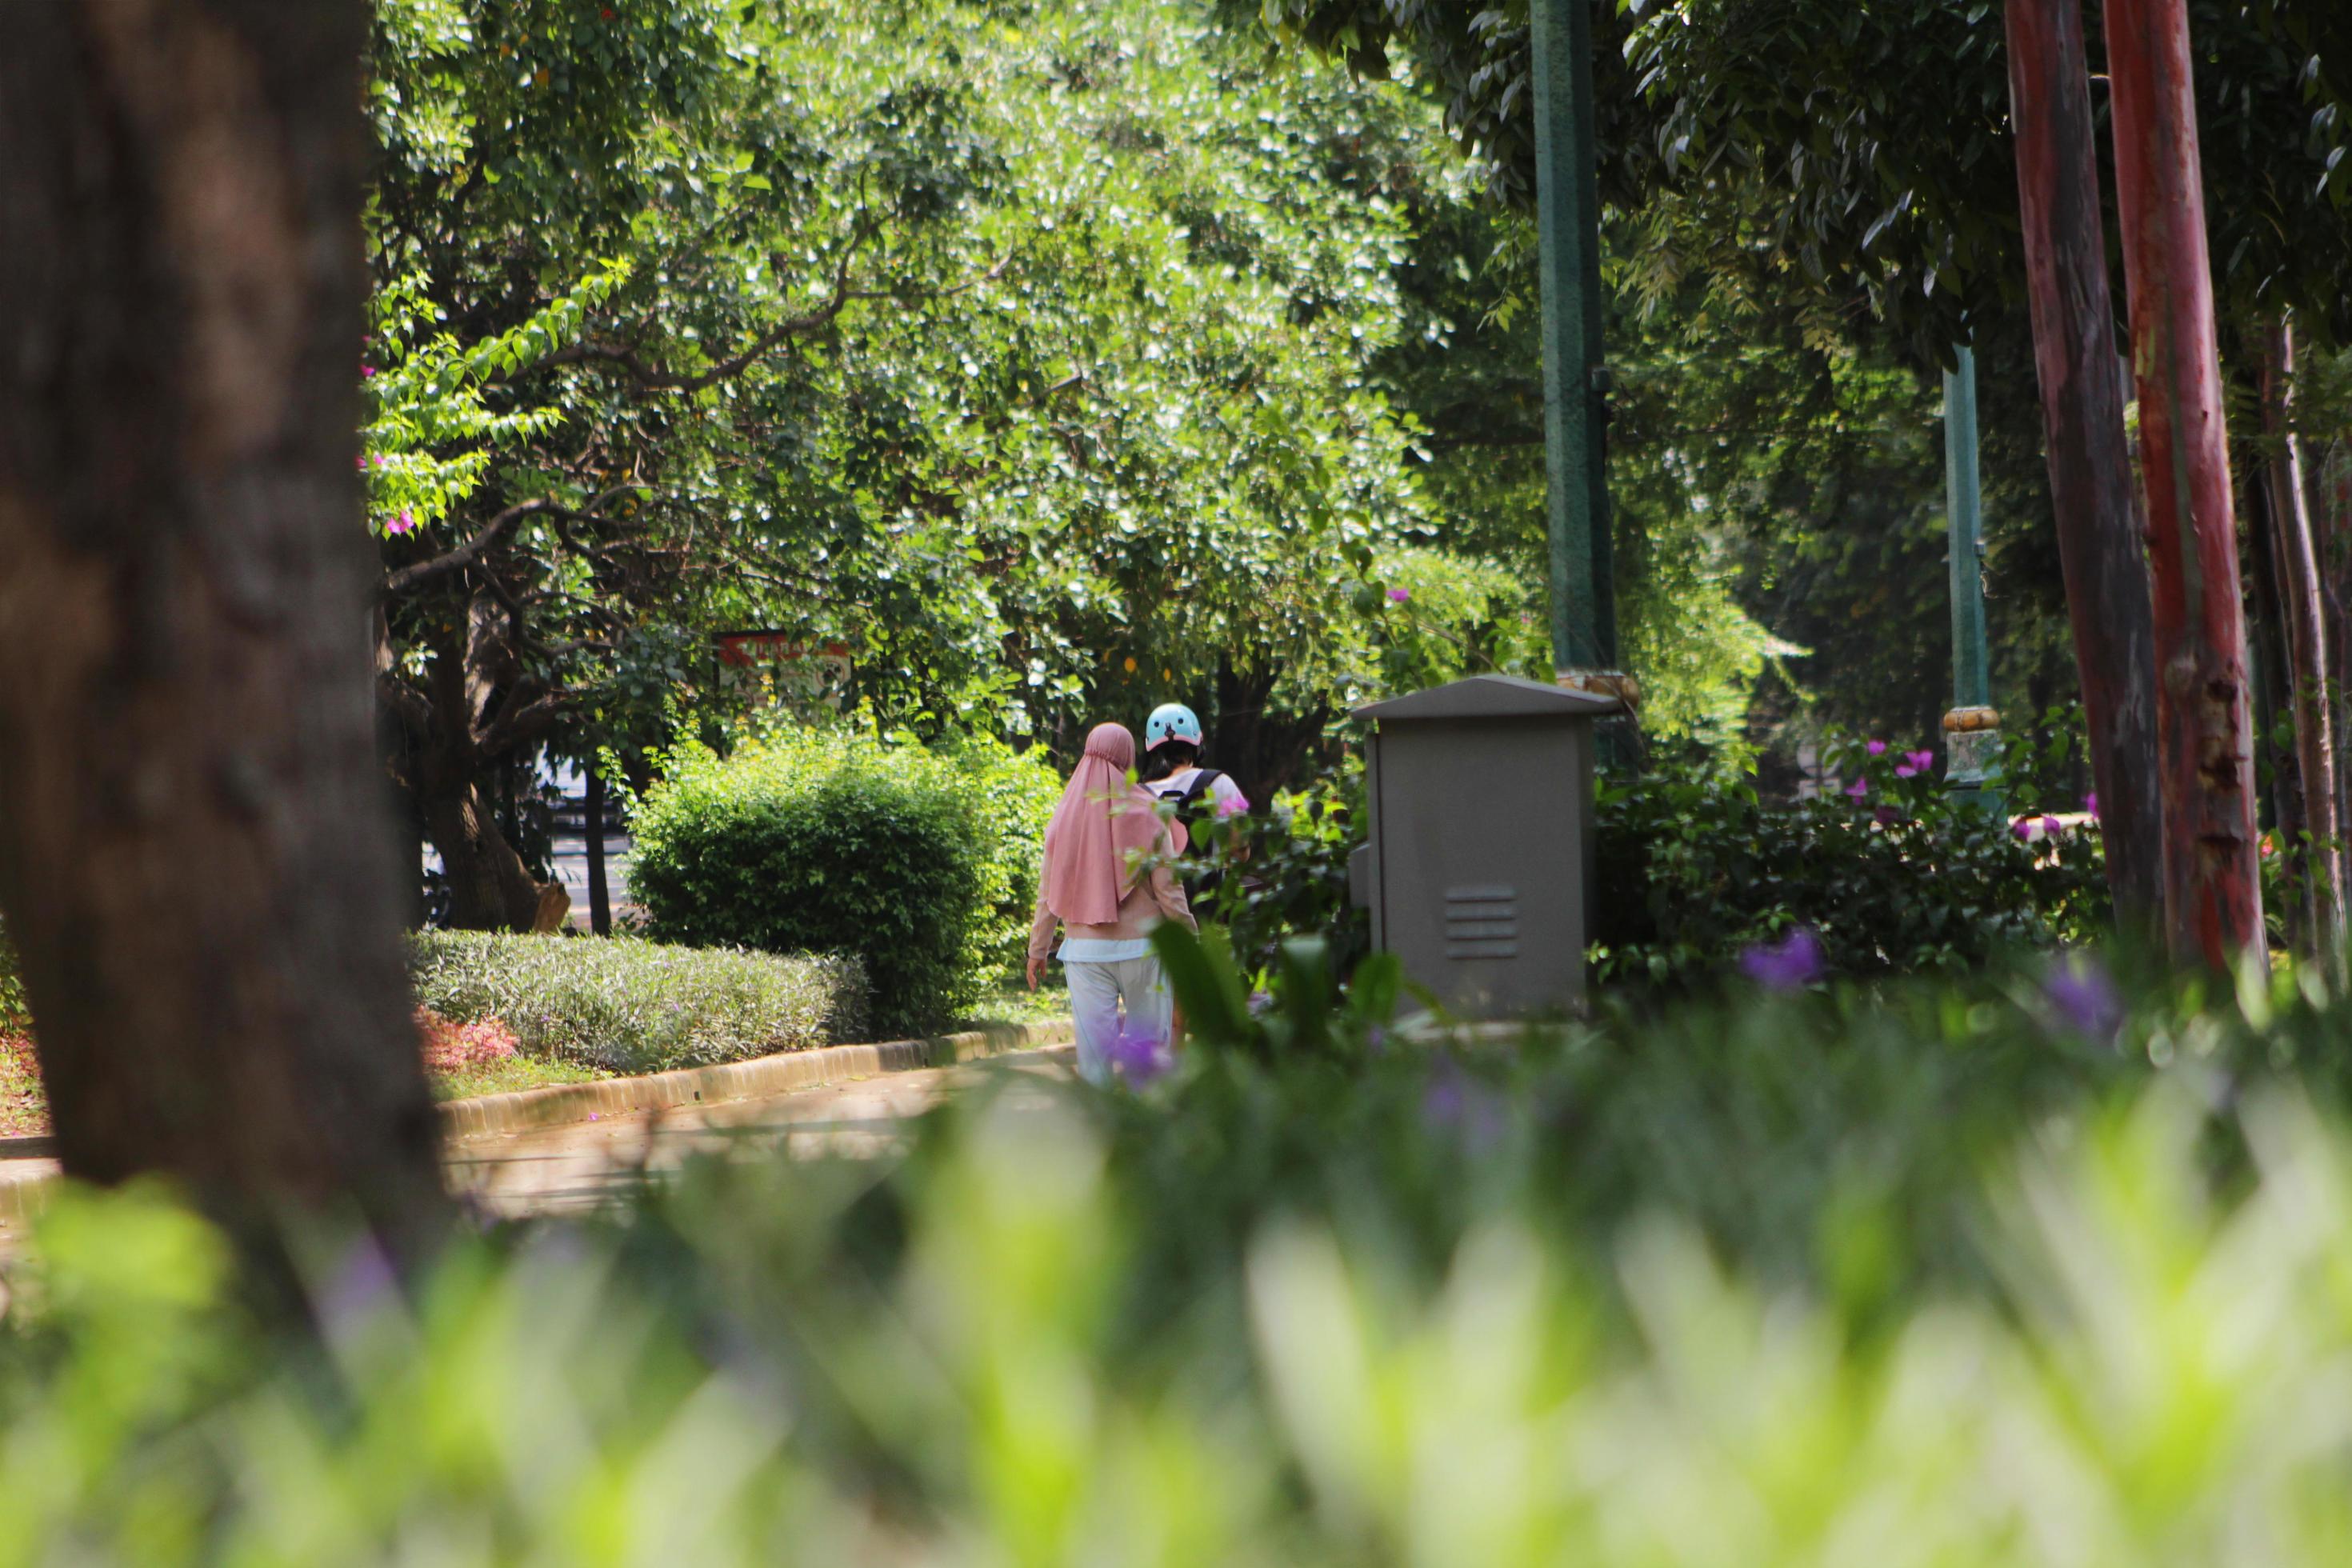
point(2213, 900)
point(2099, 547)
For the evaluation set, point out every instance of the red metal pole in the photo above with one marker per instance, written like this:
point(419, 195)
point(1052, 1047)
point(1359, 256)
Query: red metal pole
point(2213, 900)
point(2082, 379)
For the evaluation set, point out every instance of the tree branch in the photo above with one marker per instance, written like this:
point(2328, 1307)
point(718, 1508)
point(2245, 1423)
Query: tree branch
point(660, 378)
point(408, 579)
point(518, 722)
point(406, 704)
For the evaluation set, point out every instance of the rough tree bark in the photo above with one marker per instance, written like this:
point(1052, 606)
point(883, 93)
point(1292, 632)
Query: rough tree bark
point(2099, 545)
point(2304, 626)
point(193, 851)
point(2213, 901)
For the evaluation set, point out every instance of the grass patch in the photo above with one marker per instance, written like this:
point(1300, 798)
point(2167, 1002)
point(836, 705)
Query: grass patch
point(1049, 1004)
point(505, 1077)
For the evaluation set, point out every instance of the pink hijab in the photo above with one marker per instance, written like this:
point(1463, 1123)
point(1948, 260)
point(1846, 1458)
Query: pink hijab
point(1102, 823)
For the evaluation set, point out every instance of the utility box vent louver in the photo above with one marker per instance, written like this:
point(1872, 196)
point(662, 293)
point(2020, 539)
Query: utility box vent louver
point(1482, 922)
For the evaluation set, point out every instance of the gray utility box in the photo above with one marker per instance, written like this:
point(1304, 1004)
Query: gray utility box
point(1479, 865)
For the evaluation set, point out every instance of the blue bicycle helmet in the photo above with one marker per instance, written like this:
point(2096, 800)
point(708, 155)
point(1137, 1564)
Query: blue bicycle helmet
point(1171, 721)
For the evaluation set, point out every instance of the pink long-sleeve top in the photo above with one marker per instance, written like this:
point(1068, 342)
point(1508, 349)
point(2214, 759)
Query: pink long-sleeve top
point(1153, 899)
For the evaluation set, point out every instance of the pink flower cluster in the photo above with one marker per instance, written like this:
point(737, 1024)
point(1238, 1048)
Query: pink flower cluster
point(453, 1047)
point(1914, 763)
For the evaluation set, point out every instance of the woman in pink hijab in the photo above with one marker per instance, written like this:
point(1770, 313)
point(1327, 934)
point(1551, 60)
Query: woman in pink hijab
point(1094, 886)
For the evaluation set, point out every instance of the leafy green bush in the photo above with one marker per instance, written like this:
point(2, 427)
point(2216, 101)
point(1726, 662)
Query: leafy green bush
point(1281, 872)
point(1015, 793)
point(919, 862)
point(630, 1006)
point(1888, 873)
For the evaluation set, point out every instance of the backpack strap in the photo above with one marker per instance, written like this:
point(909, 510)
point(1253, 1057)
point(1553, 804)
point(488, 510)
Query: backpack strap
point(1202, 783)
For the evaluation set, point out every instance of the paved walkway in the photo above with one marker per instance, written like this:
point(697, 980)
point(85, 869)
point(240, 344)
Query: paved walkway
point(559, 1170)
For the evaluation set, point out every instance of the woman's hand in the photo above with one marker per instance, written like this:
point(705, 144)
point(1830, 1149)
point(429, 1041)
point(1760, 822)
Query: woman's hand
point(1036, 971)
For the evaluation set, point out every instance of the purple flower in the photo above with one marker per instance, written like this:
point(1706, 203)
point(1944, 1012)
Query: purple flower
point(1139, 1059)
point(2051, 828)
point(1457, 1103)
point(2091, 804)
point(1877, 748)
point(1857, 789)
point(366, 370)
point(1789, 964)
point(406, 523)
point(1231, 805)
point(2022, 827)
point(1400, 595)
point(1914, 763)
point(360, 1287)
point(2083, 996)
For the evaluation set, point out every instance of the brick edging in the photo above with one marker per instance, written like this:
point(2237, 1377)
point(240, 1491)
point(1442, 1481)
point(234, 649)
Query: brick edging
point(488, 1115)
point(523, 1109)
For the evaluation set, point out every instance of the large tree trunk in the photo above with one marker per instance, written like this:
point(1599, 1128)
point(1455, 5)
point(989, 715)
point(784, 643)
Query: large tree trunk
point(2213, 900)
point(2099, 546)
point(460, 722)
point(489, 887)
point(2303, 622)
point(193, 851)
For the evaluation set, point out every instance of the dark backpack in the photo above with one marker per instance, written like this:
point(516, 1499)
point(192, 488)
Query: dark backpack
point(1188, 799)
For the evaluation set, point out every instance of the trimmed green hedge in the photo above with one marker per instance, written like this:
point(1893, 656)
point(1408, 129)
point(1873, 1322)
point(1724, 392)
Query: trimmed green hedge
point(922, 863)
point(631, 1005)
point(14, 1015)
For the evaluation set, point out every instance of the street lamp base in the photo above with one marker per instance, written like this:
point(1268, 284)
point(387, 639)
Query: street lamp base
point(1972, 755)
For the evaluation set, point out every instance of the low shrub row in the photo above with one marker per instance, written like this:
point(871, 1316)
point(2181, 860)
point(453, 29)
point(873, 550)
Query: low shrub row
point(1885, 871)
point(629, 1005)
point(921, 863)
point(1884, 874)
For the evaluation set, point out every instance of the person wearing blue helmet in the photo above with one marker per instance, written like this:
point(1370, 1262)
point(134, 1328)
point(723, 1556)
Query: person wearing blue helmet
point(1173, 770)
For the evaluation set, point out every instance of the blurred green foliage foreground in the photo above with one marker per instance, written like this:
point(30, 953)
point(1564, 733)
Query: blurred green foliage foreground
point(2007, 1274)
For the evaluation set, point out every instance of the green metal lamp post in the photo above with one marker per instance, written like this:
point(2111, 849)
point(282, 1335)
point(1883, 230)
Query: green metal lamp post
point(1568, 218)
point(1972, 728)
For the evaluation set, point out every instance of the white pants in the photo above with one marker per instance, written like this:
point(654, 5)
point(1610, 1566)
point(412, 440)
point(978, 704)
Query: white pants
point(1097, 991)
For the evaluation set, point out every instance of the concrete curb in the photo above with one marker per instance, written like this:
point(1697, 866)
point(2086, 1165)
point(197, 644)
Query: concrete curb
point(22, 1192)
point(493, 1115)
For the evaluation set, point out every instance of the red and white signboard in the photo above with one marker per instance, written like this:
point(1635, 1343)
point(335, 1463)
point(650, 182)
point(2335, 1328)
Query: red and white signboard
point(792, 670)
